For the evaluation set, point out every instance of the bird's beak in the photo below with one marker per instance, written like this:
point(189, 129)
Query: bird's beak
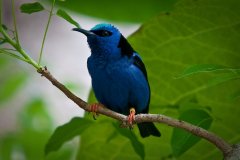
point(83, 31)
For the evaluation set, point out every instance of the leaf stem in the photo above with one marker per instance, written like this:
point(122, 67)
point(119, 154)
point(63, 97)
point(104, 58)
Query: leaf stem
point(13, 55)
point(45, 33)
point(15, 22)
point(27, 58)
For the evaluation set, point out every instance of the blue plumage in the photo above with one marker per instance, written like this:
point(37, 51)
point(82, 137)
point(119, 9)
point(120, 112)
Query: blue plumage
point(119, 77)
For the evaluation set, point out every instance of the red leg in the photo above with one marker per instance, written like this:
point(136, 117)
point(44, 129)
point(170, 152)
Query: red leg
point(131, 116)
point(94, 109)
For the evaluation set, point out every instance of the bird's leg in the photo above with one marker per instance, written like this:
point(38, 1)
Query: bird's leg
point(94, 109)
point(131, 117)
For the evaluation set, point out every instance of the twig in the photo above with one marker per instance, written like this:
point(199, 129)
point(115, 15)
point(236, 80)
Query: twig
point(45, 32)
point(15, 23)
point(221, 144)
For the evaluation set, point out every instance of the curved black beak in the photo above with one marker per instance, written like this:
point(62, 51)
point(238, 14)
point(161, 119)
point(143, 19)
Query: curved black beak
point(83, 31)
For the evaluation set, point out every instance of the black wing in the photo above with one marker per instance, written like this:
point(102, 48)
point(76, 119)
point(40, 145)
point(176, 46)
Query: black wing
point(127, 50)
point(139, 63)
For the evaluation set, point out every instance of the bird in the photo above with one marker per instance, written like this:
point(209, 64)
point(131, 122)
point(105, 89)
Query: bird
point(118, 74)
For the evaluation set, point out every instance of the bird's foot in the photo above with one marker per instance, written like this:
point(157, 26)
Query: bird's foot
point(94, 109)
point(131, 117)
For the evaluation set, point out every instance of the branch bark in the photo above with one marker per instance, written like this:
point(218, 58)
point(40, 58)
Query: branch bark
point(220, 143)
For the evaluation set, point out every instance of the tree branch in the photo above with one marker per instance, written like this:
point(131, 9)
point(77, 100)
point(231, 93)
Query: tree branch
point(221, 144)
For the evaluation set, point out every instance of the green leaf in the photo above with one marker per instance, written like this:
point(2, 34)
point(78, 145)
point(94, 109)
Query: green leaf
point(124, 10)
point(72, 86)
point(3, 62)
point(35, 116)
point(235, 95)
point(30, 8)
point(4, 27)
point(34, 126)
point(223, 79)
point(91, 97)
point(194, 32)
point(67, 17)
point(66, 132)
point(23, 140)
point(136, 144)
point(2, 41)
point(112, 136)
point(181, 140)
point(11, 84)
point(198, 68)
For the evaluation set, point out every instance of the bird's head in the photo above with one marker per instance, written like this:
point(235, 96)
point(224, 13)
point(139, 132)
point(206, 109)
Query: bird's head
point(103, 38)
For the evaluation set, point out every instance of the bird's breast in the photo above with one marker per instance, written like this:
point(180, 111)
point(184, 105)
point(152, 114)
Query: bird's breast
point(110, 84)
point(119, 85)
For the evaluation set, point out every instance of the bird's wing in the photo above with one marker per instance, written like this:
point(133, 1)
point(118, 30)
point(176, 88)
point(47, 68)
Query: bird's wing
point(137, 61)
point(127, 50)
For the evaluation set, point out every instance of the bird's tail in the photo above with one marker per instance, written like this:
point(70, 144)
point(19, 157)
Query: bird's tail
point(148, 128)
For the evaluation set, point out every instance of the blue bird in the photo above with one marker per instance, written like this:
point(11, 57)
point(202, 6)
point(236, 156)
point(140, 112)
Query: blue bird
point(119, 76)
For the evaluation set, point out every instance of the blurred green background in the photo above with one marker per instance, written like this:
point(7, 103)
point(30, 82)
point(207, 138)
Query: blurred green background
point(173, 35)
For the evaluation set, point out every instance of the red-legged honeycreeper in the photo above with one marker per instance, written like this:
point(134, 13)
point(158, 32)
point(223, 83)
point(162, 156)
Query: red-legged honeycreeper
point(119, 76)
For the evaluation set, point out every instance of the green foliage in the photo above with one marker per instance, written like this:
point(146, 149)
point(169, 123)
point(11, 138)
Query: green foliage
point(72, 86)
point(30, 8)
point(124, 10)
point(27, 142)
point(136, 144)
point(235, 95)
point(4, 27)
point(198, 68)
point(10, 85)
point(2, 41)
point(67, 17)
point(192, 32)
point(10, 81)
point(66, 132)
point(181, 140)
point(195, 32)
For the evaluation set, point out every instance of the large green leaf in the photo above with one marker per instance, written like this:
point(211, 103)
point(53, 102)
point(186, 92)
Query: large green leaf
point(137, 145)
point(181, 140)
point(195, 32)
point(124, 10)
point(198, 68)
point(66, 132)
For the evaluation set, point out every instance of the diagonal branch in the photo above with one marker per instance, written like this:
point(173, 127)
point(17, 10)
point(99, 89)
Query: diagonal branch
point(221, 144)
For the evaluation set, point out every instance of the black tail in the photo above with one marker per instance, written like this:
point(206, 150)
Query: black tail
point(147, 128)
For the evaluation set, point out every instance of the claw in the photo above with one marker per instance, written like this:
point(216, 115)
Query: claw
point(94, 109)
point(131, 117)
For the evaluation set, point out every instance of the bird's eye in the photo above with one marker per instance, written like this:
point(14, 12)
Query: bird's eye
point(102, 33)
point(105, 33)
